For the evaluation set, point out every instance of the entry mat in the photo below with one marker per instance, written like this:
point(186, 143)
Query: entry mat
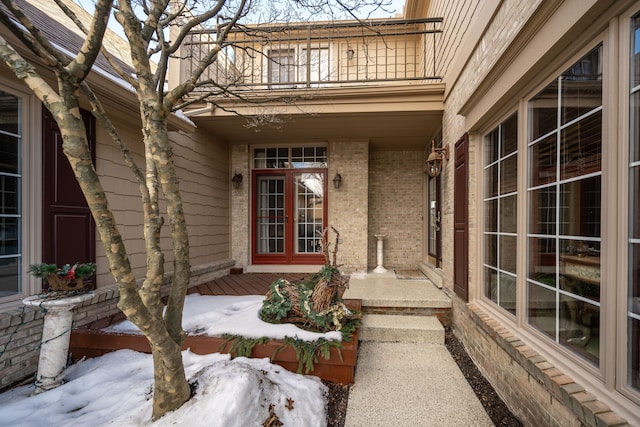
point(409, 273)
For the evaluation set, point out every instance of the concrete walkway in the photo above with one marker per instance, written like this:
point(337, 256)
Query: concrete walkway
point(407, 379)
point(411, 384)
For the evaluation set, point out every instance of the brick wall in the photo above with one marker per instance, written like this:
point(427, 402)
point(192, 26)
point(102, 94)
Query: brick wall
point(348, 205)
point(395, 207)
point(240, 206)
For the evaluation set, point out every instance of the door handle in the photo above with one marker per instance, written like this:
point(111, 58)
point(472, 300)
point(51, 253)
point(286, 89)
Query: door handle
point(436, 221)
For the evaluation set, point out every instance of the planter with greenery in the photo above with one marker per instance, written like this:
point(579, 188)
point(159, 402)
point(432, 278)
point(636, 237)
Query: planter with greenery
point(65, 278)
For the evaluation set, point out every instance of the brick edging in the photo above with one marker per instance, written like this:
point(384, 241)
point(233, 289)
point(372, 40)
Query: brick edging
point(586, 407)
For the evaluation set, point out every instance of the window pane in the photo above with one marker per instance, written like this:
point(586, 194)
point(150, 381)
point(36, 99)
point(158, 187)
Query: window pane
point(542, 156)
point(579, 268)
point(580, 327)
point(270, 158)
point(9, 113)
point(634, 353)
point(491, 284)
point(491, 215)
point(309, 211)
point(9, 154)
point(10, 269)
point(581, 147)
point(542, 260)
point(509, 132)
point(542, 211)
point(582, 86)
point(542, 309)
point(580, 208)
point(9, 194)
point(509, 175)
point(508, 253)
point(9, 236)
point(507, 292)
point(634, 132)
point(491, 250)
point(634, 203)
point(491, 146)
point(508, 211)
point(635, 51)
point(491, 181)
point(543, 109)
point(309, 157)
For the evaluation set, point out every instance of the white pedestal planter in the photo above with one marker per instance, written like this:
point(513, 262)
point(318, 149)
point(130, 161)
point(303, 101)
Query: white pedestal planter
point(380, 249)
point(56, 333)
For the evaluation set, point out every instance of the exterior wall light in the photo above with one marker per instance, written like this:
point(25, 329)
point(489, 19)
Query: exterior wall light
point(434, 161)
point(350, 53)
point(337, 181)
point(237, 180)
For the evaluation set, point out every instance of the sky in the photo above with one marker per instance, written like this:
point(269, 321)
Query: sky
point(396, 6)
point(115, 389)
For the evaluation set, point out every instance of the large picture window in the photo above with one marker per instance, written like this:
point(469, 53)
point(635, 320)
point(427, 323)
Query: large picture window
point(633, 312)
point(500, 209)
point(564, 205)
point(11, 268)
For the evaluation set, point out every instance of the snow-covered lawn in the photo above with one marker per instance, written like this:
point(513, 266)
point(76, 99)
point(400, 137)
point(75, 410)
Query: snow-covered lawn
point(115, 389)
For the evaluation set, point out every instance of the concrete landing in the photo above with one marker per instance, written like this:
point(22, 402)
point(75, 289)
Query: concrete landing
point(385, 290)
point(408, 329)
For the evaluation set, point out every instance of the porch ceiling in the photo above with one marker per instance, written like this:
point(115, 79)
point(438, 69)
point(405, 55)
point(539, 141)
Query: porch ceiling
point(398, 130)
point(403, 117)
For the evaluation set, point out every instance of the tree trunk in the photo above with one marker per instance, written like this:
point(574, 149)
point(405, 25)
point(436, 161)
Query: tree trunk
point(171, 388)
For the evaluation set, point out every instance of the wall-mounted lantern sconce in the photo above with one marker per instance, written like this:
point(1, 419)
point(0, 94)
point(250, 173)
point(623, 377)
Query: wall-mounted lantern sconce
point(350, 53)
point(237, 180)
point(337, 181)
point(434, 161)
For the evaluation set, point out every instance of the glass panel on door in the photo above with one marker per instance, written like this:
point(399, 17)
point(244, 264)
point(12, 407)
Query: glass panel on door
point(309, 211)
point(271, 216)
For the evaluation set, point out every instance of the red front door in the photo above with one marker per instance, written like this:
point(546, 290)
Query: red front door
point(289, 214)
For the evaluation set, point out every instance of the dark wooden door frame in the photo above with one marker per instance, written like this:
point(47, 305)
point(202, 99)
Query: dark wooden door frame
point(460, 219)
point(68, 228)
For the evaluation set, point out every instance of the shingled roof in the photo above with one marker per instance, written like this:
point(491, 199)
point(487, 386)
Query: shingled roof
point(61, 31)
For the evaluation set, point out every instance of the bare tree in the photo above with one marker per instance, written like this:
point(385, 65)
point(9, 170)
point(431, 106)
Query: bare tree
point(146, 24)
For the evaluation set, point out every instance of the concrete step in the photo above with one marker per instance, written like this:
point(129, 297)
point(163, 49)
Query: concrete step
point(407, 329)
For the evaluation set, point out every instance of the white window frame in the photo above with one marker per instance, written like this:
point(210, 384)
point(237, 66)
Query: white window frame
point(31, 158)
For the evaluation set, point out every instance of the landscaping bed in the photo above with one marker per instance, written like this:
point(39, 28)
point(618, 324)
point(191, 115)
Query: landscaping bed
point(338, 368)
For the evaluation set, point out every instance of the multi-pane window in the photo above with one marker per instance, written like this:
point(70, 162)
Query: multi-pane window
point(290, 157)
point(564, 207)
point(281, 66)
point(500, 209)
point(10, 189)
point(296, 65)
point(633, 311)
point(309, 211)
point(271, 215)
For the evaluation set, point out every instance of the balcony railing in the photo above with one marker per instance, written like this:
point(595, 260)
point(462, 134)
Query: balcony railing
point(318, 55)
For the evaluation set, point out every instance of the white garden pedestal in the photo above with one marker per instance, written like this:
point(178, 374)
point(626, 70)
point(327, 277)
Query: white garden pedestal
point(55, 337)
point(380, 252)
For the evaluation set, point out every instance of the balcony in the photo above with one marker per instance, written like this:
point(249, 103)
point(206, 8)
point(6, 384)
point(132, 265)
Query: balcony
point(317, 55)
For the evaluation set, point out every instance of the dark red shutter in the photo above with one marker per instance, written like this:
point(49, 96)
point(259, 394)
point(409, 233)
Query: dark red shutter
point(460, 218)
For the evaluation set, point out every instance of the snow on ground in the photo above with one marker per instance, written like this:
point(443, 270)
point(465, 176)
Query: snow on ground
point(235, 315)
point(115, 389)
